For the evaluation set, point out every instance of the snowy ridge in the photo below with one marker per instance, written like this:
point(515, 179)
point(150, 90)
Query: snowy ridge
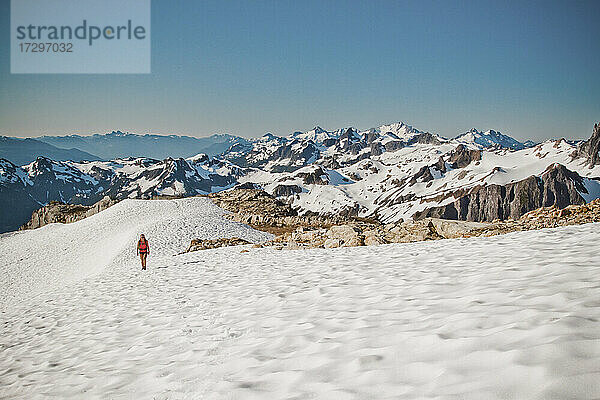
point(25, 189)
point(317, 135)
point(400, 130)
point(346, 145)
point(86, 182)
point(46, 259)
point(492, 138)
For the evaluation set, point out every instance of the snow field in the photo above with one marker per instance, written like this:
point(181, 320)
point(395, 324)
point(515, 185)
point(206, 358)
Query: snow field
point(45, 259)
point(508, 317)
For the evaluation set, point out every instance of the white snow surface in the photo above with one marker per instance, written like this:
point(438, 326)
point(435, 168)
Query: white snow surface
point(40, 260)
point(508, 317)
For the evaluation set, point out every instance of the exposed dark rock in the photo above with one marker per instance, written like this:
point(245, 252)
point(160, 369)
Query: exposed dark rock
point(377, 149)
point(557, 186)
point(248, 185)
point(205, 244)
point(440, 165)
point(58, 212)
point(462, 156)
point(394, 145)
point(251, 202)
point(591, 148)
point(424, 138)
point(329, 162)
point(316, 177)
point(290, 151)
point(286, 190)
point(25, 189)
point(423, 175)
point(369, 166)
point(370, 136)
point(329, 142)
point(16, 204)
point(350, 142)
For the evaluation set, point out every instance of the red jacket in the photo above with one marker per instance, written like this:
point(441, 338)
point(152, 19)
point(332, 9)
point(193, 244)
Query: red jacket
point(143, 246)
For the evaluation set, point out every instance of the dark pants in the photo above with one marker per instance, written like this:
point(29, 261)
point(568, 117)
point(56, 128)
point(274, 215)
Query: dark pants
point(143, 256)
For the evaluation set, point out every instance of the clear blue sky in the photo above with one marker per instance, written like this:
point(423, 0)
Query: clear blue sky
point(529, 69)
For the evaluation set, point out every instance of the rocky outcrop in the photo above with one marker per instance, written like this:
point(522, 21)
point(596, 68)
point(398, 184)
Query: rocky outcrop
point(204, 244)
point(57, 212)
point(440, 165)
point(263, 211)
point(286, 190)
point(356, 233)
point(251, 202)
point(315, 177)
point(247, 185)
point(425, 173)
point(343, 235)
point(296, 153)
point(397, 144)
point(557, 186)
point(422, 175)
point(462, 156)
point(424, 138)
point(274, 224)
point(349, 142)
point(590, 149)
point(361, 233)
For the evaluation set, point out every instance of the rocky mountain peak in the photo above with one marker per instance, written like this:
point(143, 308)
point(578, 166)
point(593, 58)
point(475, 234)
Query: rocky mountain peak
point(40, 164)
point(591, 147)
point(462, 156)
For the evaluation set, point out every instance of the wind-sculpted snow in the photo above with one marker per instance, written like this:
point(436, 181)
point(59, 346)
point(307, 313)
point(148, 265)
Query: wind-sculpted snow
point(507, 317)
point(45, 259)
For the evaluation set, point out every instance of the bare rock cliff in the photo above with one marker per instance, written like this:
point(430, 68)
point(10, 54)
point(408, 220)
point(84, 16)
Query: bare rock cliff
point(57, 212)
point(591, 148)
point(557, 186)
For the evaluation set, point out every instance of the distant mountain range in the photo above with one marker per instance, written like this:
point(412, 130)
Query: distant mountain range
point(391, 172)
point(492, 138)
point(24, 151)
point(119, 145)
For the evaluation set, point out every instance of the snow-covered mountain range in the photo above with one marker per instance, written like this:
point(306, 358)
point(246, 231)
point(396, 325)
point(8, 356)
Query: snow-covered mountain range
point(397, 172)
point(390, 172)
point(24, 189)
point(492, 138)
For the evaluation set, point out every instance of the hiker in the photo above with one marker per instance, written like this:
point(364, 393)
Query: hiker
point(143, 249)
